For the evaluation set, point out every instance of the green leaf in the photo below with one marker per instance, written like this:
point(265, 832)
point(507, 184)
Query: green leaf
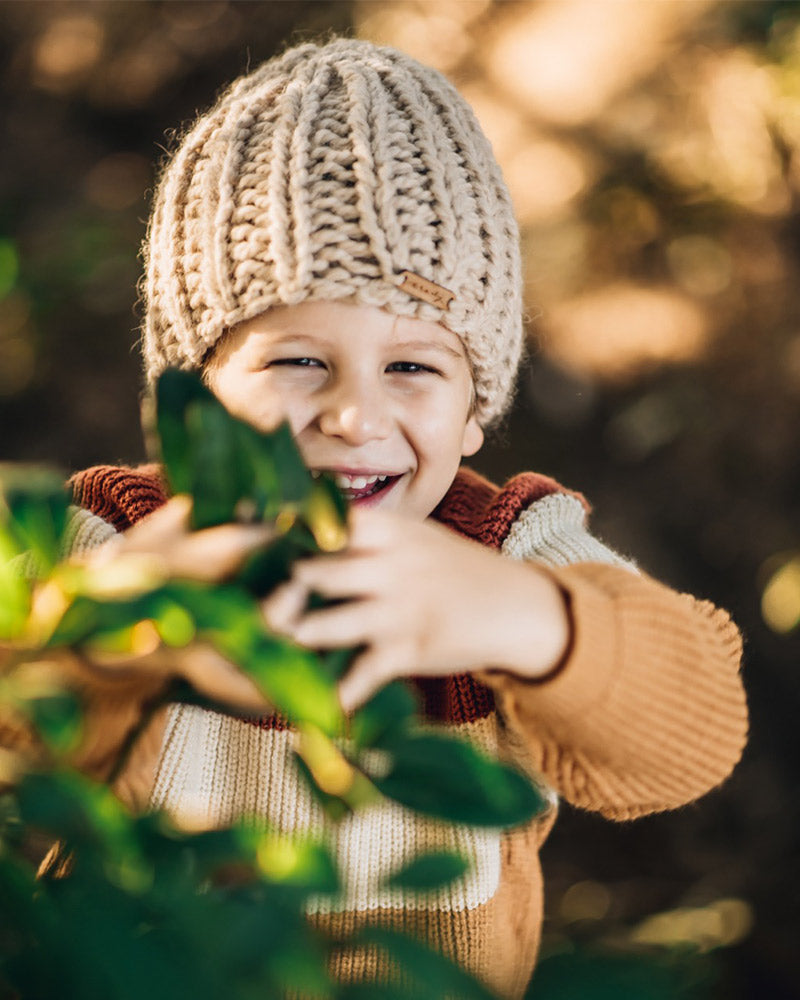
point(429, 871)
point(295, 680)
point(295, 479)
point(426, 974)
point(385, 718)
point(336, 661)
point(175, 390)
point(596, 973)
point(80, 811)
point(292, 678)
point(87, 618)
point(268, 567)
point(58, 720)
point(220, 479)
point(213, 606)
point(334, 807)
point(226, 464)
point(174, 624)
point(301, 972)
point(293, 861)
point(177, 609)
point(325, 512)
point(449, 778)
point(34, 510)
point(15, 591)
point(256, 449)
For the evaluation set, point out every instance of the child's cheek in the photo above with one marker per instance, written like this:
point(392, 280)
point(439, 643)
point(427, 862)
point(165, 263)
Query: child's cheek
point(261, 403)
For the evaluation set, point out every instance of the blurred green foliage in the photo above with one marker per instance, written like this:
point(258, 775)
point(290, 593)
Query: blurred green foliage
point(141, 900)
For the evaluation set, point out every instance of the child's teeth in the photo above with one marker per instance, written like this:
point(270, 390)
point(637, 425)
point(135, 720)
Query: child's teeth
point(345, 482)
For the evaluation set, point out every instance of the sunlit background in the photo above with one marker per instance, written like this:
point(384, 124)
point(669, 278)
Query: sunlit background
point(652, 149)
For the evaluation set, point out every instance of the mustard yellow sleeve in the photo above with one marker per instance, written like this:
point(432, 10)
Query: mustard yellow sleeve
point(647, 712)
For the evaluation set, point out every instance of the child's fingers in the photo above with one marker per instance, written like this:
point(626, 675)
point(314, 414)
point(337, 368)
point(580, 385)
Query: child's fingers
point(339, 576)
point(350, 624)
point(217, 678)
point(163, 524)
point(208, 555)
point(140, 676)
point(369, 672)
point(216, 552)
point(151, 535)
point(284, 606)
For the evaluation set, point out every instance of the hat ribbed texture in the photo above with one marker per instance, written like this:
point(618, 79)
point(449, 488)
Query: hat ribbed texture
point(325, 174)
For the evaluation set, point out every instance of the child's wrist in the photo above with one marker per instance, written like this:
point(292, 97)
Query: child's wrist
point(534, 633)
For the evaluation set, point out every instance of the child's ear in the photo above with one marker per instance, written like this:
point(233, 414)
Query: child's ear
point(473, 437)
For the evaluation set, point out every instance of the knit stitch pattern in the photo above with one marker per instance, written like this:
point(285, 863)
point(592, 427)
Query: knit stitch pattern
point(325, 174)
point(119, 495)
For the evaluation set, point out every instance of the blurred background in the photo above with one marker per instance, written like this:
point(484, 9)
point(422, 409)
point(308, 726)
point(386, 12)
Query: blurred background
point(652, 149)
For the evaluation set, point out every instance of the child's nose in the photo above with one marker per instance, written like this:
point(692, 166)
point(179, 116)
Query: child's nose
point(357, 412)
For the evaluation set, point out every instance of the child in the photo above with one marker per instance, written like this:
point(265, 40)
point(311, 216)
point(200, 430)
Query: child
point(333, 243)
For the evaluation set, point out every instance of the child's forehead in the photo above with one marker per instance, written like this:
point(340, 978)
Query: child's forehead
point(346, 324)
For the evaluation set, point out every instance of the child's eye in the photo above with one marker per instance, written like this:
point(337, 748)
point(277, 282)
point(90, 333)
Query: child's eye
point(410, 368)
point(298, 362)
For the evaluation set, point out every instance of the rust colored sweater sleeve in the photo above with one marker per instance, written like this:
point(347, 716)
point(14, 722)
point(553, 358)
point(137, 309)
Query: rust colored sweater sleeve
point(647, 712)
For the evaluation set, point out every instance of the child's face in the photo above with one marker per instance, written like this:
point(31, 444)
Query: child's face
point(367, 394)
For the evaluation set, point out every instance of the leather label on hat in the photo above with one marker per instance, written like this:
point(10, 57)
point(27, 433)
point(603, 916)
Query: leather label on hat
point(426, 290)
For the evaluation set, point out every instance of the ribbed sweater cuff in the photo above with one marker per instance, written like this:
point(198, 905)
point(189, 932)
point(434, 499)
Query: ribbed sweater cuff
point(647, 711)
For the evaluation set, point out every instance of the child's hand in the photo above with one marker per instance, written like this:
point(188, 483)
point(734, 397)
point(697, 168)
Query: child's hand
point(166, 536)
point(118, 690)
point(210, 555)
point(422, 601)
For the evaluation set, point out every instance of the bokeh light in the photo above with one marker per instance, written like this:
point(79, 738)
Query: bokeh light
point(621, 330)
point(585, 900)
point(68, 48)
point(721, 924)
point(780, 599)
point(567, 59)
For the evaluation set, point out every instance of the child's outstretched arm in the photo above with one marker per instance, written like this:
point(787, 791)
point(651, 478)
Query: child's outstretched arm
point(626, 693)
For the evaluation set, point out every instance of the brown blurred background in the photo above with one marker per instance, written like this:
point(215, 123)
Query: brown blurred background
point(653, 153)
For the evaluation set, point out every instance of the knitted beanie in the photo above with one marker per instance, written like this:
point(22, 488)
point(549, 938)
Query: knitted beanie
point(343, 170)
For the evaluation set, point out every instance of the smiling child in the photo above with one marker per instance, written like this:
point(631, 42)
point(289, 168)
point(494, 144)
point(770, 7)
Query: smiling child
point(333, 244)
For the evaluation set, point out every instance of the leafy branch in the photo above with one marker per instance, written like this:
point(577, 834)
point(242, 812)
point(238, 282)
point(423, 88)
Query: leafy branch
point(139, 890)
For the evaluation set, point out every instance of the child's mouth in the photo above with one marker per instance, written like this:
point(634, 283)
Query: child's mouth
point(357, 489)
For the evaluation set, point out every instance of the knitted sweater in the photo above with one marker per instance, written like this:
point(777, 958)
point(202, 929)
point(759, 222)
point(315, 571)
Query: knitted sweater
point(646, 713)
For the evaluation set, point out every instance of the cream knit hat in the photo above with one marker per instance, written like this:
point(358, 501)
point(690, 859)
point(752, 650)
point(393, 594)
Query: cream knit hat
point(333, 171)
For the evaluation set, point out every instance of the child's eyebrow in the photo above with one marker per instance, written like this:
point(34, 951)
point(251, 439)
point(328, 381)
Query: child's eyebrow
point(428, 345)
point(419, 344)
point(278, 335)
point(280, 338)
